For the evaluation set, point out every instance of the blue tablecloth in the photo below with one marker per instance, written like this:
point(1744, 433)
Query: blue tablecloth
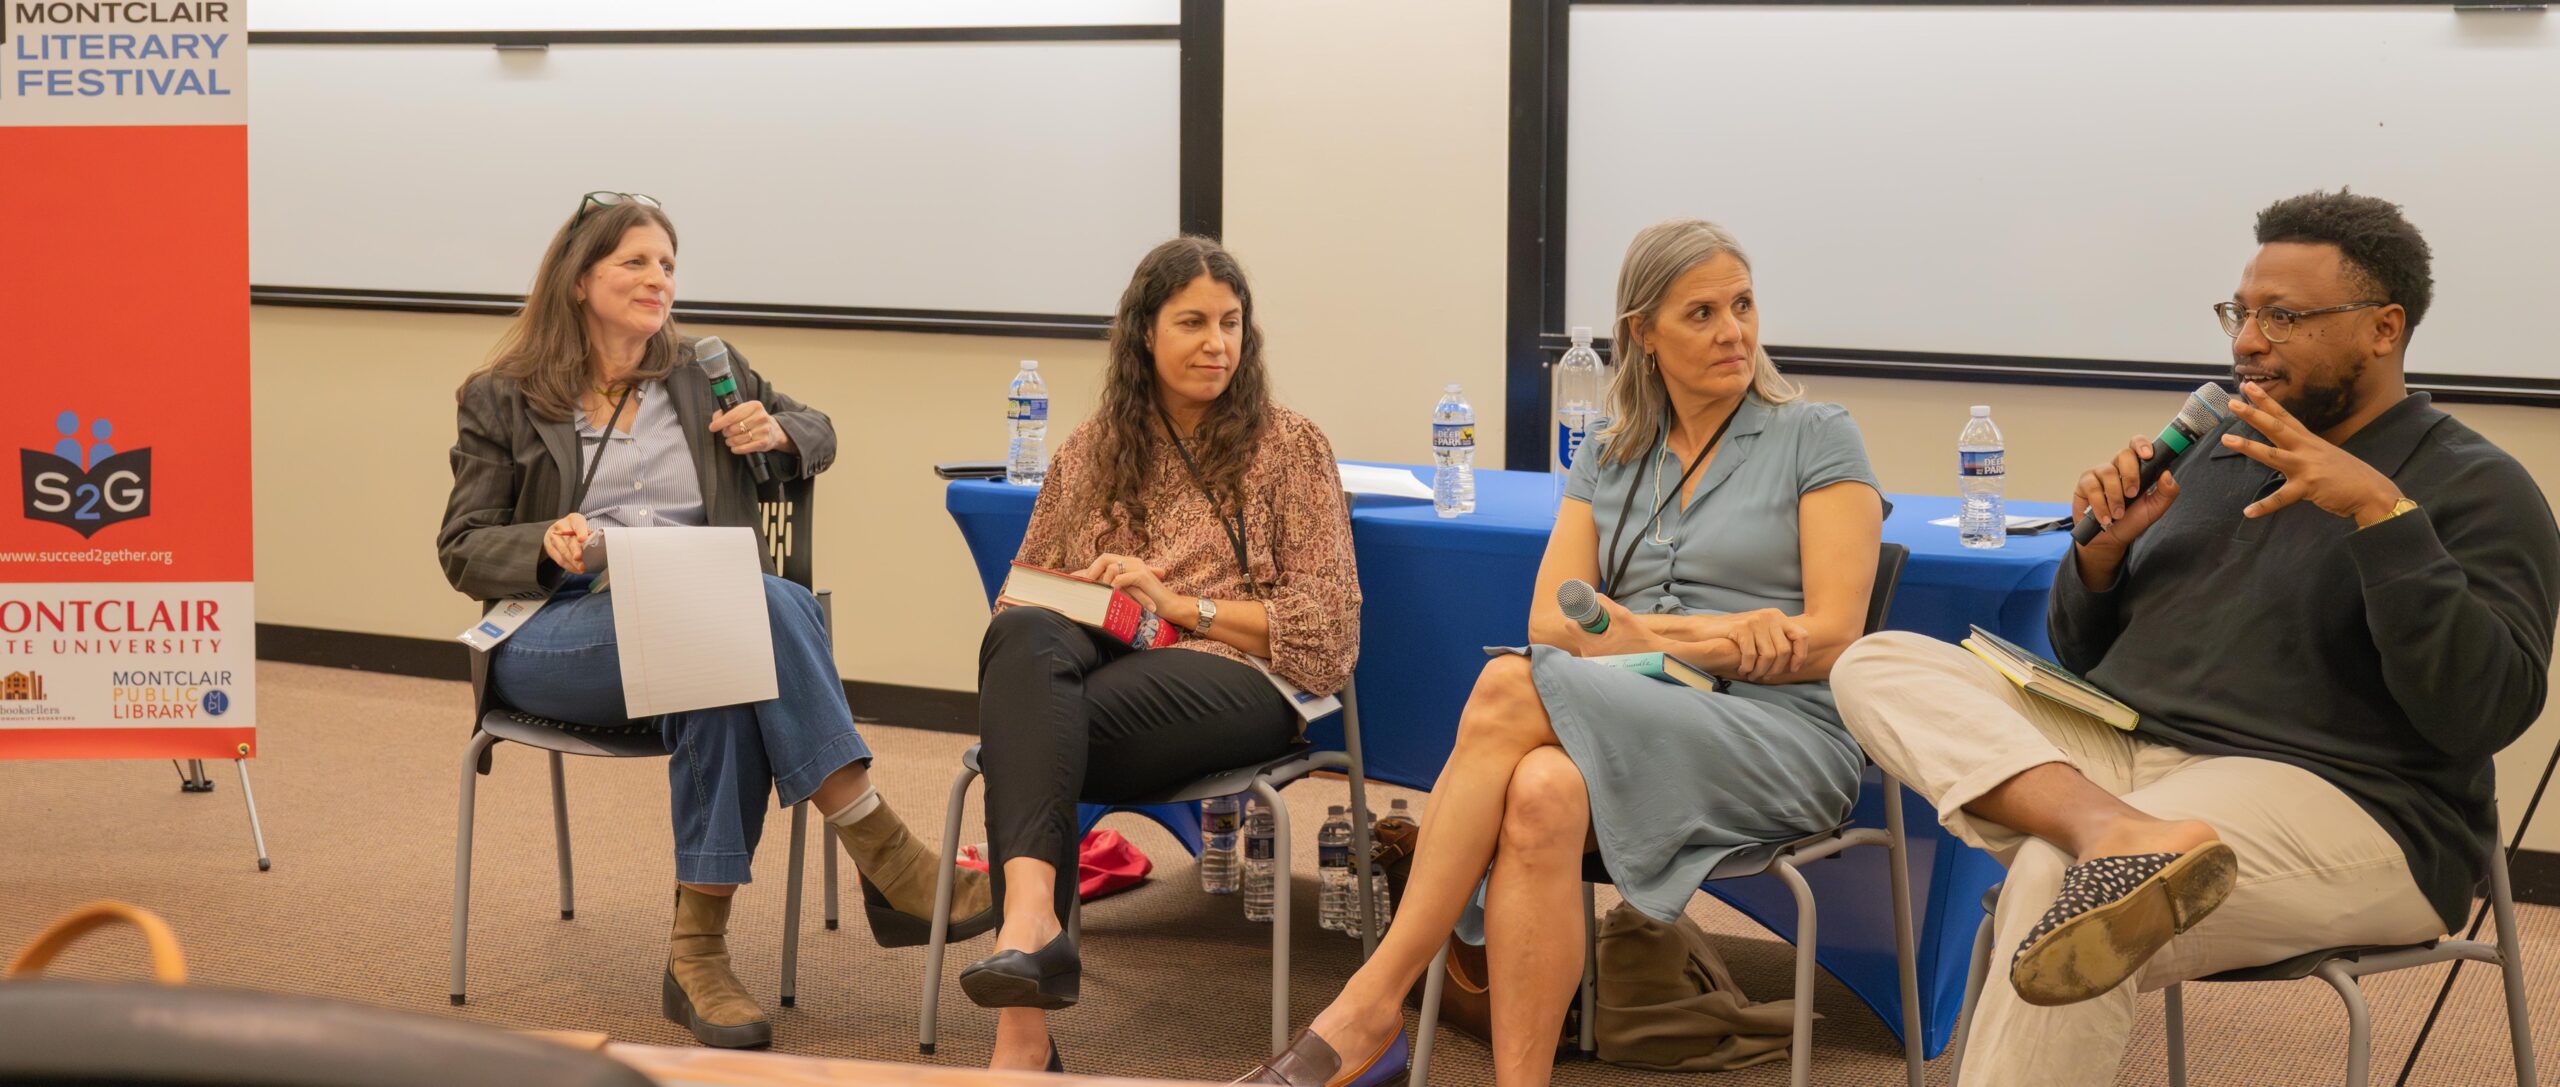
point(1436, 591)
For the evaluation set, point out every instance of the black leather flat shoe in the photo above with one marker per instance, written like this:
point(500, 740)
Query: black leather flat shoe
point(1048, 979)
point(1055, 1065)
point(892, 927)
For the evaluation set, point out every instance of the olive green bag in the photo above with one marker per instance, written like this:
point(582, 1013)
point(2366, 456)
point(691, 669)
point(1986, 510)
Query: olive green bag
point(1669, 1004)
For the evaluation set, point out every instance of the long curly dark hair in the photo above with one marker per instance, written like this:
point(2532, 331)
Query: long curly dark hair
point(1131, 416)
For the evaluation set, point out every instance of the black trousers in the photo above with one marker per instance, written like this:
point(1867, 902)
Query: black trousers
point(1065, 714)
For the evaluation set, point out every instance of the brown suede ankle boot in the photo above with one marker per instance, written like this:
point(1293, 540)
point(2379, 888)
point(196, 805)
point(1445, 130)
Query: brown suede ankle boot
point(700, 993)
point(898, 874)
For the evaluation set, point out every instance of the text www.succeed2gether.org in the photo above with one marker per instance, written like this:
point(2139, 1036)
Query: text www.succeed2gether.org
point(102, 556)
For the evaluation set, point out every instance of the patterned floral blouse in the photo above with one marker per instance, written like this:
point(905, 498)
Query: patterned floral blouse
point(1297, 533)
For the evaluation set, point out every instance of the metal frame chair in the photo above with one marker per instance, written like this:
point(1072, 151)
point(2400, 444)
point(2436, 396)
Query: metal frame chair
point(787, 508)
point(1782, 859)
point(1264, 780)
point(2340, 967)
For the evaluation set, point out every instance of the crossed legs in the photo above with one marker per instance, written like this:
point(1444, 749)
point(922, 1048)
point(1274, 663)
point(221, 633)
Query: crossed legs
point(2043, 787)
point(1509, 797)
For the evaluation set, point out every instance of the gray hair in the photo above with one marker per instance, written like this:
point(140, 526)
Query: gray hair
point(1638, 401)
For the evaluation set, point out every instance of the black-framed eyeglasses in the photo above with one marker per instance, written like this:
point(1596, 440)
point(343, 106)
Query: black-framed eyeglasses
point(602, 199)
point(2276, 322)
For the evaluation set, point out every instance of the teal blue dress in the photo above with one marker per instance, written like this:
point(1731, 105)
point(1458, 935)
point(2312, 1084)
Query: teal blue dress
point(1679, 777)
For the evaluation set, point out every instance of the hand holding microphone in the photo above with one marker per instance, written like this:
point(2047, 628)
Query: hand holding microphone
point(1593, 613)
point(1579, 603)
point(2118, 498)
point(743, 424)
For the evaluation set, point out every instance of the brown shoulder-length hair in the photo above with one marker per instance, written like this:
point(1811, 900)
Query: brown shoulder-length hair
point(546, 351)
point(1131, 419)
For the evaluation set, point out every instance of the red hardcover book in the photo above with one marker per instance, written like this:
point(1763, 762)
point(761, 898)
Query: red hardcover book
point(1089, 602)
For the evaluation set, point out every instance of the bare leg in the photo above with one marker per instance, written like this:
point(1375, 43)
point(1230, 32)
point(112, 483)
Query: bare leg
point(1535, 898)
point(715, 890)
point(843, 787)
point(2055, 803)
point(1503, 722)
point(1030, 922)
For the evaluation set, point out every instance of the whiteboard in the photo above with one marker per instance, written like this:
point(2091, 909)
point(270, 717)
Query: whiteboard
point(1009, 177)
point(398, 15)
point(2071, 182)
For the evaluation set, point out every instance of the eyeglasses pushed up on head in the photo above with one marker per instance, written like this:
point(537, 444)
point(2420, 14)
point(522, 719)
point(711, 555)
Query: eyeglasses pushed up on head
point(602, 199)
point(2275, 322)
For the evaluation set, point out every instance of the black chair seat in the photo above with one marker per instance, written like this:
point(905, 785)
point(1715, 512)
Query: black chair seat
point(636, 739)
point(1223, 783)
point(1750, 860)
point(2302, 966)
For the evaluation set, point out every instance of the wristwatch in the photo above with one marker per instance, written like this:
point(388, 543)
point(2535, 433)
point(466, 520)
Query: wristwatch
point(2404, 505)
point(1208, 615)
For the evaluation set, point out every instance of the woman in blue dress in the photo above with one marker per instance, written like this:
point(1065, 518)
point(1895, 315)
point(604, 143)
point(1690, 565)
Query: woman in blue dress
point(1726, 521)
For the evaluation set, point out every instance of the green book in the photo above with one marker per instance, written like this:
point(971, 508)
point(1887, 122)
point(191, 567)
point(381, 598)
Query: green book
point(2038, 676)
point(1661, 666)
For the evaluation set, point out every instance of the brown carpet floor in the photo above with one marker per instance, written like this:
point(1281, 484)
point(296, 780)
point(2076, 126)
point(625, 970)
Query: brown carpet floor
point(357, 789)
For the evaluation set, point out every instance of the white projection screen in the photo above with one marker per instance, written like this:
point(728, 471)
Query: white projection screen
point(2071, 182)
point(988, 176)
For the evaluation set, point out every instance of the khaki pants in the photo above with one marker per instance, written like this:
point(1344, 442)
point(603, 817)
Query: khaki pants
point(2315, 870)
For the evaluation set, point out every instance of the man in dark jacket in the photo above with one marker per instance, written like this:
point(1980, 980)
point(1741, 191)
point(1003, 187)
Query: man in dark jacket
point(2330, 613)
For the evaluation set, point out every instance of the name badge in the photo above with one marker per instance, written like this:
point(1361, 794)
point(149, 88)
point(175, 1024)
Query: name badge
point(499, 624)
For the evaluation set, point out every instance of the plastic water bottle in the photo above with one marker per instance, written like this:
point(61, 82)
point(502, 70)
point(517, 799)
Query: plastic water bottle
point(1981, 468)
point(1453, 454)
point(1380, 903)
point(1580, 385)
point(1333, 863)
point(1220, 819)
point(1260, 866)
point(1026, 412)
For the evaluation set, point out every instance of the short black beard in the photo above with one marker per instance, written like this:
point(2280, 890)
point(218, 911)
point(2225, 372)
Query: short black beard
point(2321, 406)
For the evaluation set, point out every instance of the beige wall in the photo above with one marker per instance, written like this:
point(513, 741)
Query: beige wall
point(1365, 193)
point(354, 413)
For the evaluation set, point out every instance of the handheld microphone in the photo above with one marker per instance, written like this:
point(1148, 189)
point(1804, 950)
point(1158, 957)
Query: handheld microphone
point(1582, 606)
point(2205, 409)
point(713, 356)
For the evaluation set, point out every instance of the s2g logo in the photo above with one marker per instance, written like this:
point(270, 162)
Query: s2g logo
point(85, 486)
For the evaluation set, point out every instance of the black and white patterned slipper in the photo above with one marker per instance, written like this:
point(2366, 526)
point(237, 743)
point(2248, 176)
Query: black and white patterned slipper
point(2112, 915)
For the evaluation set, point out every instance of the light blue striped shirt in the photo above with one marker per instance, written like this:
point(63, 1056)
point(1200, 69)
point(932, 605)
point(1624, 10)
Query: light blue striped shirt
point(647, 479)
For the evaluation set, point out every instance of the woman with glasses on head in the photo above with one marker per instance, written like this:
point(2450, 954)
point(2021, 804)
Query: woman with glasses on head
point(1726, 522)
point(591, 415)
point(1221, 512)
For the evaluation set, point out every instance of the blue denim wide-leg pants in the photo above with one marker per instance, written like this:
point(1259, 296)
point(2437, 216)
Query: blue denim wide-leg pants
point(725, 761)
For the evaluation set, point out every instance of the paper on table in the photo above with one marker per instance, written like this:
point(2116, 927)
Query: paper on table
point(1371, 479)
point(689, 619)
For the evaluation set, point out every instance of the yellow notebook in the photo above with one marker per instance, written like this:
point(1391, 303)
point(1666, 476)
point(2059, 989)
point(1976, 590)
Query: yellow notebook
point(2038, 676)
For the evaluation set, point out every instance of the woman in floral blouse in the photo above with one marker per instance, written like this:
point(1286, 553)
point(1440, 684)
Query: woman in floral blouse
point(1222, 513)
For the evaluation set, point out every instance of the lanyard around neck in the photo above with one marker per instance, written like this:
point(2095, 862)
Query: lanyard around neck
point(1609, 585)
point(577, 500)
point(1234, 530)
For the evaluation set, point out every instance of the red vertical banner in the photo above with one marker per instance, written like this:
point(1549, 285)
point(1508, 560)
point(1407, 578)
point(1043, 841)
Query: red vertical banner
point(127, 613)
